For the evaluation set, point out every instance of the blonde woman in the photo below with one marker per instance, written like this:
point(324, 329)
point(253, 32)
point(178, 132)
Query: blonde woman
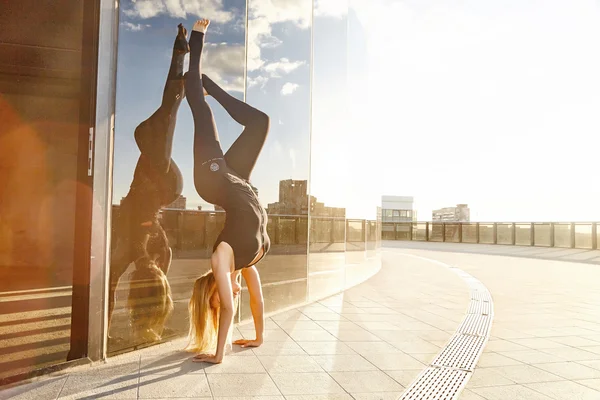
point(223, 179)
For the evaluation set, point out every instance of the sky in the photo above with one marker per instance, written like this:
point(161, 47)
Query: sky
point(490, 103)
point(482, 102)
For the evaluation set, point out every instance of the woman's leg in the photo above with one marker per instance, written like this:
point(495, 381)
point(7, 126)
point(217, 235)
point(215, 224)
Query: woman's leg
point(154, 136)
point(206, 136)
point(242, 155)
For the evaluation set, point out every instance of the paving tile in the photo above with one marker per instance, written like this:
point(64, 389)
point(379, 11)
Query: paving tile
point(311, 335)
point(416, 346)
point(565, 390)
point(325, 316)
point(469, 395)
point(405, 376)
point(356, 382)
point(325, 348)
point(572, 354)
point(483, 377)
point(299, 325)
point(280, 397)
point(344, 396)
point(513, 392)
point(591, 383)
point(272, 335)
point(339, 362)
point(393, 361)
point(89, 384)
point(538, 343)
point(526, 374)
point(378, 325)
point(291, 315)
point(45, 389)
point(425, 358)
point(593, 349)
point(164, 387)
point(336, 326)
point(307, 384)
point(570, 370)
point(576, 341)
point(359, 335)
point(502, 345)
point(236, 365)
point(223, 385)
point(495, 360)
point(377, 396)
point(168, 365)
point(372, 347)
point(592, 364)
point(288, 364)
point(532, 356)
point(278, 348)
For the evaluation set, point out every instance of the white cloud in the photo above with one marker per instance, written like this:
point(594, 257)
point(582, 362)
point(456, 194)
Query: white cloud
point(224, 63)
point(293, 158)
point(289, 88)
point(212, 9)
point(257, 81)
point(331, 8)
point(283, 66)
point(134, 27)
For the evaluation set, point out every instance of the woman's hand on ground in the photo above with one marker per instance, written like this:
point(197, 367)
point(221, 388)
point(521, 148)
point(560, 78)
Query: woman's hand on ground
point(248, 343)
point(207, 358)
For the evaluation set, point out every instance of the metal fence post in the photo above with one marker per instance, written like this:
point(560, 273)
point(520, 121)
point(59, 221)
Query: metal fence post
point(532, 234)
point(477, 231)
point(594, 236)
point(514, 234)
point(443, 231)
point(427, 231)
point(551, 234)
point(495, 232)
point(460, 232)
point(573, 235)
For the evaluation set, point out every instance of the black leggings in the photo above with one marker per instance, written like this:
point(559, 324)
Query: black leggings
point(223, 179)
point(243, 153)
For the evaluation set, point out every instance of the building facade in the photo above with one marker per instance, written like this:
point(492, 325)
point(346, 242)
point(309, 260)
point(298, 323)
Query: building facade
point(398, 209)
point(460, 213)
point(70, 101)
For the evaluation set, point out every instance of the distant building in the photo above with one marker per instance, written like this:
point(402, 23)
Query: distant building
point(398, 209)
point(179, 204)
point(460, 213)
point(294, 200)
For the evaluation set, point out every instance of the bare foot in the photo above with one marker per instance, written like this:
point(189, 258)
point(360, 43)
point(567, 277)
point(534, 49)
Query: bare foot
point(201, 25)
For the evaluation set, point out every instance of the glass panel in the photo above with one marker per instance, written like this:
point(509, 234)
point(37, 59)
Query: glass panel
point(523, 234)
point(541, 234)
point(355, 241)
point(436, 232)
point(278, 83)
point(403, 231)
point(150, 98)
point(419, 231)
point(40, 97)
point(327, 180)
point(583, 236)
point(486, 233)
point(452, 233)
point(469, 234)
point(562, 235)
point(504, 233)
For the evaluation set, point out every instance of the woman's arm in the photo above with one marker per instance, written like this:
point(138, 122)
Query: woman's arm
point(252, 279)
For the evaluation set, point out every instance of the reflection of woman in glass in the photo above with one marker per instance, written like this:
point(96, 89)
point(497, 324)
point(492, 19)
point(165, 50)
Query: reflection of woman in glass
point(222, 179)
point(157, 182)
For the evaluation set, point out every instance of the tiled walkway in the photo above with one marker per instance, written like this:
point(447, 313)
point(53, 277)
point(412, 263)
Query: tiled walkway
point(545, 339)
point(367, 343)
point(373, 340)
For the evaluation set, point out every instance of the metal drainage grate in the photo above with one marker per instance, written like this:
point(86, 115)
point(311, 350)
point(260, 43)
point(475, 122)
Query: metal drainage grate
point(461, 352)
point(480, 294)
point(475, 324)
point(480, 307)
point(436, 384)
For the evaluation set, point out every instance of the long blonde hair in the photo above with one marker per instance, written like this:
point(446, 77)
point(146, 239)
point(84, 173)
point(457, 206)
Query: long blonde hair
point(204, 318)
point(150, 302)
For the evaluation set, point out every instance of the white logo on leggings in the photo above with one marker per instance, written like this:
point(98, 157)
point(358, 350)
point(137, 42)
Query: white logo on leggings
point(214, 167)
